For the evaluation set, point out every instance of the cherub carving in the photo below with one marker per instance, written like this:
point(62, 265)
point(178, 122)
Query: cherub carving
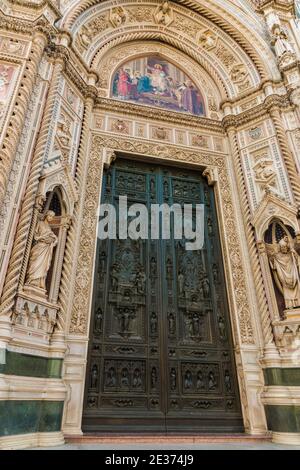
point(118, 17)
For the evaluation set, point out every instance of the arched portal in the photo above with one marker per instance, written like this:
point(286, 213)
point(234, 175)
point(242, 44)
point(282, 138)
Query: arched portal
point(110, 325)
point(161, 352)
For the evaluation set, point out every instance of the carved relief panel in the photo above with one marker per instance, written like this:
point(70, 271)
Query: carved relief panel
point(263, 164)
point(68, 126)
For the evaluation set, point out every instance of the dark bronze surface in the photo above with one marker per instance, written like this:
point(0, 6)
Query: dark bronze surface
point(160, 353)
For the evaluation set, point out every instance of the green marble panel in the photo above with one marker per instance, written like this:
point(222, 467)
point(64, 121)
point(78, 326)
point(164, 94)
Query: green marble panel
point(25, 417)
point(283, 418)
point(31, 366)
point(282, 376)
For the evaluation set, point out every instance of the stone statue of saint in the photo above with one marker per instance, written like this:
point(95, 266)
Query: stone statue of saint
point(285, 264)
point(281, 42)
point(164, 14)
point(41, 252)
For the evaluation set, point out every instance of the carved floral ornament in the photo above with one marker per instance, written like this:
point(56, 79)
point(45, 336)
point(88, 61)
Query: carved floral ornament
point(216, 172)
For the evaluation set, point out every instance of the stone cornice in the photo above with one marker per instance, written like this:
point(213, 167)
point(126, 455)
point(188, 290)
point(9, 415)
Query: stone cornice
point(38, 6)
point(150, 112)
point(63, 53)
point(286, 6)
point(26, 27)
point(272, 101)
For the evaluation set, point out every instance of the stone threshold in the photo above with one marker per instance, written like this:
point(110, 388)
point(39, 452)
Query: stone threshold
point(166, 439)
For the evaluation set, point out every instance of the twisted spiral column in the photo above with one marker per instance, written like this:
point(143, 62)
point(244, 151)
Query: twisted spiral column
point(250, 236)
point(74, 232)
point(29, 211)
point(286, 153)
point(15, 125)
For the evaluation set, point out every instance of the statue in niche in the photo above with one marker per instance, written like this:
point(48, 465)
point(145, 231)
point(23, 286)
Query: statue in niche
point(94, 377)
point(188, 326)
point(153, 323)
point(115, 270)
point(206, 288)
point(181, 281)
point(281, 42)
point(215, 273)
point(188, 380)
point(200, 380)
point(98, 321)
point(222, 328)
point(173, 379)
point(102, 261)
point(111, 379)
point(125, 377)
point(153, 268)
point(195, 325)
point(227, 381)
point(210, 227)
point(206, 197)
point(285, 264)
point(172, 323)
point(137, 379)
point(169, 269)
point(153, 377)
point(140, 280)
point(108, 180)
point(164, 14)
point(212, 383)
point(41, 253)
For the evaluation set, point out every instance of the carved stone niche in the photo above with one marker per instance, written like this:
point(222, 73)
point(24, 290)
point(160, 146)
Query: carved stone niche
point(37, 312)
point(277, 232)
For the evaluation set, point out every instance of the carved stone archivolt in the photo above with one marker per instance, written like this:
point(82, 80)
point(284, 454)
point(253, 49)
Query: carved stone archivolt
point(81, 302)
point(167, 16)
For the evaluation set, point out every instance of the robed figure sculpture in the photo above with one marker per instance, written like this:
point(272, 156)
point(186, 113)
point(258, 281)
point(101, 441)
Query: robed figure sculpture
point(285, 263)
point(41, 253)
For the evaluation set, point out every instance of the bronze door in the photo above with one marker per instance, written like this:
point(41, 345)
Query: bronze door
point(160, 352)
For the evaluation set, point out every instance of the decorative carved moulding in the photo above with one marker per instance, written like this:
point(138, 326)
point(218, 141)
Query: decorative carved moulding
point(27, 27)
point(272, 207)
point(287, 334)
point(34, 318)
point(39, 6)
point(148, 112)
point(279, 101)
point(281, 5)
point(58, 173)
point(80, 75)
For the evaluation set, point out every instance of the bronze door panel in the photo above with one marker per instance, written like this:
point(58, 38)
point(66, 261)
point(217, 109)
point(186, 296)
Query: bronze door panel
point(160, 353)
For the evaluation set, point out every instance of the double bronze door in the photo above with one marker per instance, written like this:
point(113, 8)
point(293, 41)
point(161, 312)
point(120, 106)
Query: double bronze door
point(160, 352)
